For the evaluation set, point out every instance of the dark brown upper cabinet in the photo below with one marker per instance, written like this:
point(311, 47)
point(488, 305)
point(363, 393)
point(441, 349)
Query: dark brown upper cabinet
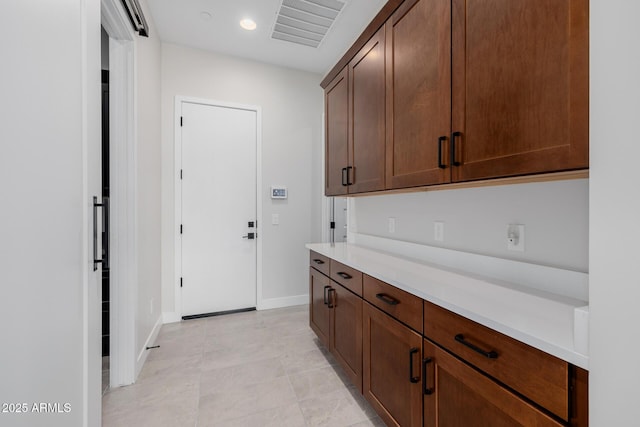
point(418, 94)
point(520, 87)
point(355, 120)
point(336, 104)
point(366, 105)
point(473, 90)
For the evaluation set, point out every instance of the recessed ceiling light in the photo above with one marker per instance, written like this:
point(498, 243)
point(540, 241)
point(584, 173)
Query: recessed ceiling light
point(205, 16)
point(248, 24)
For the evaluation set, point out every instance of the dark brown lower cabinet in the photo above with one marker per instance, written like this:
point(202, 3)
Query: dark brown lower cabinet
point(346, 328)
point(456, 395)
point(392, 379)
point(335, 315)
point(319, 312)
point(411, 382)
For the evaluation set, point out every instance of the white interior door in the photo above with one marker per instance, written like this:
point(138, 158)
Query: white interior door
point(218, 201)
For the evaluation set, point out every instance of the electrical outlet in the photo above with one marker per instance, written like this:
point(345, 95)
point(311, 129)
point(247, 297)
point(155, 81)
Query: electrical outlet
point(515, 237)
point(438, 231)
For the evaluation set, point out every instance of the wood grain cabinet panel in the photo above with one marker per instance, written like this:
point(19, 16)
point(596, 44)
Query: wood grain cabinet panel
point(319, 313)
point(335, 315)
point(579, 398)
point(367, 122)
point(418, 122)
point(397, 303)
point(520, 87)
point(535, 374)
point(456, 395)
point(463, 90)
point(336, 104)
point(457, 373)
point(346, 332)
point(391, 368)
point(320, 262)
point(348, 277)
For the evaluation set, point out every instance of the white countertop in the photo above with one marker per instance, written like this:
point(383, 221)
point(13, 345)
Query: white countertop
point(541, 319)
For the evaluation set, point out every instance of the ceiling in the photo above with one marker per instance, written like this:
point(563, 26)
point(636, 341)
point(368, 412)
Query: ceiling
point(183, 22)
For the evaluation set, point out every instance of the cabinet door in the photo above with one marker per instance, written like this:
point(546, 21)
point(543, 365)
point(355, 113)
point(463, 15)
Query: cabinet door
point(319, 312)
point(391, 368)
point(346, 338)
point(418, 62)
point(457, 395)
point(520, 87)
point(336, 100)
point(367, 121)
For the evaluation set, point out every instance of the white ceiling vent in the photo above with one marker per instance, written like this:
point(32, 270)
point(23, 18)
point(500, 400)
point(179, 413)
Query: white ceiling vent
point(305, 22)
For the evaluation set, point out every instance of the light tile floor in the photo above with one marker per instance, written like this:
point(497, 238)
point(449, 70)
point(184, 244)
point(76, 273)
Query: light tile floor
point(105, 374)
point(263, 368)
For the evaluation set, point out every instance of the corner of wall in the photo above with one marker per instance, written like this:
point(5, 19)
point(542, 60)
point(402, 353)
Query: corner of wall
point(144, 353)
point(170, 317)
point(271, 303)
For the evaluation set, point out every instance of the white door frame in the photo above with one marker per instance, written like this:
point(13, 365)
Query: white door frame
point(178, 192)
point(89, 19)
point(123, 189)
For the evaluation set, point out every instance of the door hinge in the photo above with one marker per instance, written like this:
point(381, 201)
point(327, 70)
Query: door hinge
point(180, 228)
point(181, 282)
point(332, 225)
point(180, 173)
point(180, 121)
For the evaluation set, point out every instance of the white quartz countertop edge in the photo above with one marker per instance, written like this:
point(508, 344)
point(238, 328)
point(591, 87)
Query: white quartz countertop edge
point(543, 321)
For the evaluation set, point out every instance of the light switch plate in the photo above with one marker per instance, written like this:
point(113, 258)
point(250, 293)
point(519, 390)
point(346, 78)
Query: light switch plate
point(392, 225)
point(438, 231)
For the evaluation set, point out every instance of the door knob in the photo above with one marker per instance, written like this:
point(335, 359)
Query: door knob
point(250, 236)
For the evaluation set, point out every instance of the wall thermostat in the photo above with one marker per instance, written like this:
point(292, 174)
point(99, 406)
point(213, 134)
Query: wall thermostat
point(278, 192)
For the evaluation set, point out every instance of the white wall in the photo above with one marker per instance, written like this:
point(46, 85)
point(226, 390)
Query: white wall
point(614, 262)
point(555, 215)
point(148, 180)
point(49, 140)
point(291, 104)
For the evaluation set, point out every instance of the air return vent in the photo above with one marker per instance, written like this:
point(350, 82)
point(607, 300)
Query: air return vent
point(305, 22)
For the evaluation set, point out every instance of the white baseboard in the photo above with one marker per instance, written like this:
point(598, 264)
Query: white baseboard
point(267, 304)
point(142, 356)
point(170, 317)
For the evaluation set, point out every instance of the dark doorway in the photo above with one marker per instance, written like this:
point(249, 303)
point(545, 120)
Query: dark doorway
point(105, 201)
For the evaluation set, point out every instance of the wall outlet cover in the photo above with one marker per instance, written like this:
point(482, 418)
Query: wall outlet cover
point(515, 237)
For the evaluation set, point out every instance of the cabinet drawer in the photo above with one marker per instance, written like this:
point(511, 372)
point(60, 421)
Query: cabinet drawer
point(537, 375)
point(403, 306)
point(348, 277)
point(319, 262)
point(458, 395)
